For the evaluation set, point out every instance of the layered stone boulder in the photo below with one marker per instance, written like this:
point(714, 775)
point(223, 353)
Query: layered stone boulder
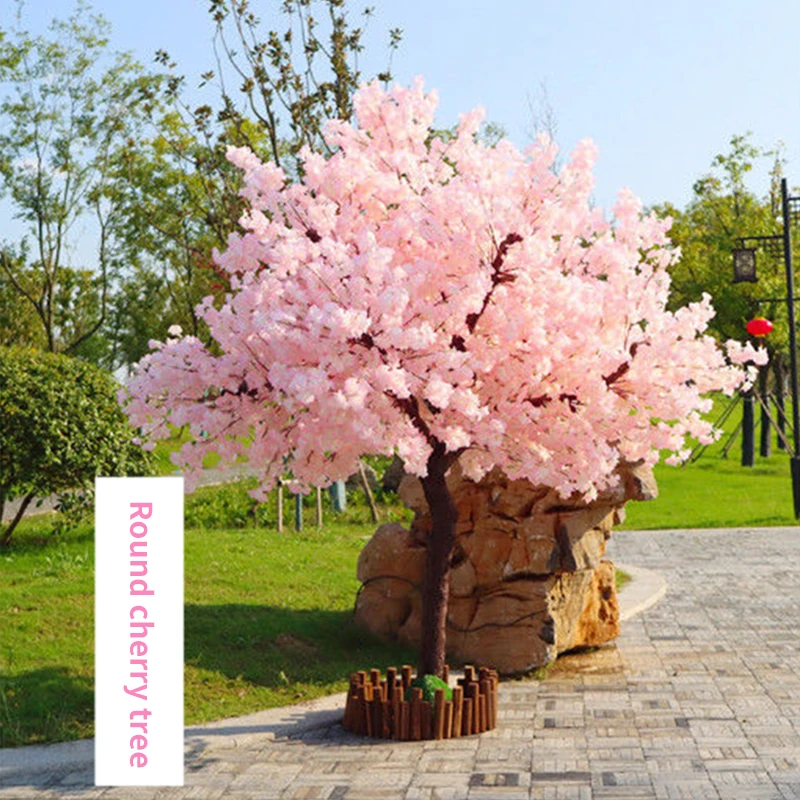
point(528, 576)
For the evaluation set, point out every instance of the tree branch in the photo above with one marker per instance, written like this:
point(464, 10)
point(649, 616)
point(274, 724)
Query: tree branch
point(498, 277)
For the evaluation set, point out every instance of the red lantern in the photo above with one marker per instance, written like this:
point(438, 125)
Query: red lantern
point(759, 327)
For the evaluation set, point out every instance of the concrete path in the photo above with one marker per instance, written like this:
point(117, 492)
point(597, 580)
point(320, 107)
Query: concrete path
point(699, 698)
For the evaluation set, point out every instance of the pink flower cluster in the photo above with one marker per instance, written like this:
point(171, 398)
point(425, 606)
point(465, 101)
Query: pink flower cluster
point(412, 290)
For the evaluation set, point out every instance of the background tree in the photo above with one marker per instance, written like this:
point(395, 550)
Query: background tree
point(180, 196)
point(723, 209)
point(66, 107)
point(438, 300)
point(270, 90)
point(19, 324)
point(61, 427)
point(295, 79)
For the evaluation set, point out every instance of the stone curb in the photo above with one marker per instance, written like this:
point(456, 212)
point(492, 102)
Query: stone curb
point(221, 734)
point(645, 589)
point(38, 758)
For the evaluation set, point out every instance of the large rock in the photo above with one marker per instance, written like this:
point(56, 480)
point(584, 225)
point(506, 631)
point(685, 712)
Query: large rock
point(393, 552)
point(528, 580)
point(584, 607)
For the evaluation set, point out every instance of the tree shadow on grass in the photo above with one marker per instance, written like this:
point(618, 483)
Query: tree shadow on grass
point(45, 705)
point(280, 649)
point(272, 646)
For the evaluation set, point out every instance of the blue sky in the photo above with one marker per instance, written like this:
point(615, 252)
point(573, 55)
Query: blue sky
point(660, 87)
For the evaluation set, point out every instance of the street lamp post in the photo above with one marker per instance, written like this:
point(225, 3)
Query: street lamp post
point(744, 269)
point(787, 213)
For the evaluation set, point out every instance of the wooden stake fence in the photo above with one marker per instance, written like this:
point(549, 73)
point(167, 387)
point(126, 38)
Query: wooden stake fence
point(377, 707)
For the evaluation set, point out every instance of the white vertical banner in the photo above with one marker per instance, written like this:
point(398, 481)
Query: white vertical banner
point(139, 631)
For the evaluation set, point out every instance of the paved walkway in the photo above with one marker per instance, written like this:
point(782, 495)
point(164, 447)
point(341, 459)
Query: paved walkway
point(209, 477)
point(699, 698)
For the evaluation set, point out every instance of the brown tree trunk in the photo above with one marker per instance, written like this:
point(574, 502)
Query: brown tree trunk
point(5, 538)
point(765, 449)
point(436, 586)
point(780, 386)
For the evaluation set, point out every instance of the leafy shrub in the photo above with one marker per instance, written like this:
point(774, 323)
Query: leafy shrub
point(61, 426)
point(225, 506)
point(429, 684)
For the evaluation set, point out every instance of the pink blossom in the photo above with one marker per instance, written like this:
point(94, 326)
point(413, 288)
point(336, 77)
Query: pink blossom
point(411, 293)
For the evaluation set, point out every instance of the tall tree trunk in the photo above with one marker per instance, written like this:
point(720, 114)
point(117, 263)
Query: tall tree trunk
point(765, 448)
point(436, 586)
point(780, 388)
point(748, 429)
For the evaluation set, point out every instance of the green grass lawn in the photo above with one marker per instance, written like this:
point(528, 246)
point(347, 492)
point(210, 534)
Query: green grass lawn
point(716, 491)
point(269, 616)
point(268, 620)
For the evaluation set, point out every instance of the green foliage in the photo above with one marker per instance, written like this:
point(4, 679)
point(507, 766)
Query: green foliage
point(225, 507)
point(154, 181)
point(230, 506)
point(722, 210)
point(62, 426)
point(429, 684)
point(19, 324)
point(292, 80)
point(66, 105)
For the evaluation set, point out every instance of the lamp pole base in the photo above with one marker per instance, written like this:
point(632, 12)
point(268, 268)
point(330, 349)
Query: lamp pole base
point(795, 461)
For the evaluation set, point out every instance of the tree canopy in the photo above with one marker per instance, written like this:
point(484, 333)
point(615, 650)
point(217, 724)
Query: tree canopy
point(722, 210)
point(66, 107)
point(438, 299)
point(61, 427)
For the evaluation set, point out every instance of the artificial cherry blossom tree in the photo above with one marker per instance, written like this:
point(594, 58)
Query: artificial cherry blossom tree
point(441, 300)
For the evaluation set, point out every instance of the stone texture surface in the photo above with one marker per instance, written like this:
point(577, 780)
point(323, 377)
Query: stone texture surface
point(528, 576)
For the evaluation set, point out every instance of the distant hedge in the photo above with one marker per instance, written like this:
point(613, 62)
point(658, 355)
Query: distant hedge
point(60, 426)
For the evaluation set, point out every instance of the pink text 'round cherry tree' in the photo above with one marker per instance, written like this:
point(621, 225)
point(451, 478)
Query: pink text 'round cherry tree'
point(437, 297)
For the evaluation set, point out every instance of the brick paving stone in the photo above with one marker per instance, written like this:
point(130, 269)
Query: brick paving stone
point(435, 793)
point(384, 779)
point(497, 793)
point(81, 794)
point(456, 779)
point(433, 762)
point(562, 793)
point(685, 789)
point(202, 793)
point(307, 793)
point(25, 792)
point(499, 752)
point(371, 793)
point(563, 764)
